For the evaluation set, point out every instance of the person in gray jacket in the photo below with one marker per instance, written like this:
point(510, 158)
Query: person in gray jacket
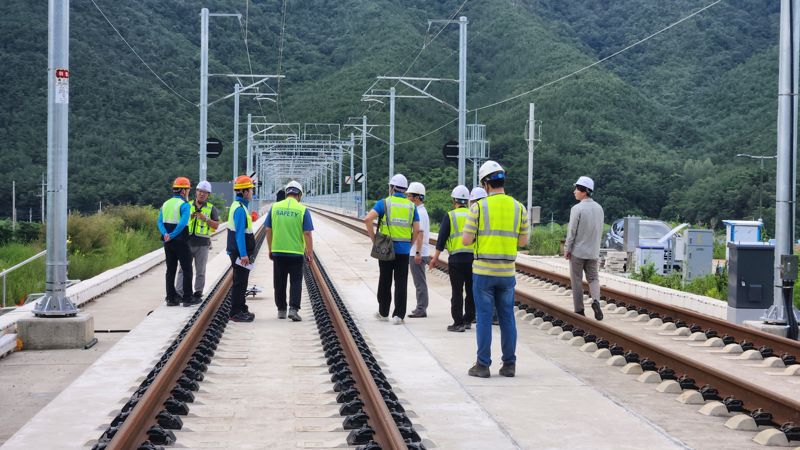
point(582, 247)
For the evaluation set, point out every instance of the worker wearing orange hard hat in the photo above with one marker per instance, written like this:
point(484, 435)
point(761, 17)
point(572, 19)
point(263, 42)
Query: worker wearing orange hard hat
point(241, 244)
point(173, 218)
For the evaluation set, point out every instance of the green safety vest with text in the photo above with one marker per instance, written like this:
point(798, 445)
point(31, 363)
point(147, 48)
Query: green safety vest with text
point(287, 227)
point(398, 220)
point(198, 227)
point(496, 242)
point(454, 245)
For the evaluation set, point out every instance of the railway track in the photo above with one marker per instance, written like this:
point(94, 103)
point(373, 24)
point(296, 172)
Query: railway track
point(370, 408)
point(765, 407)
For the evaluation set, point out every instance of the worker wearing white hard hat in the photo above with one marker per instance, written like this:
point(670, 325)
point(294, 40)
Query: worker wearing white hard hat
point(289, 238)
point(420, 251)
point(203, 221)
point(399, 220)
point(476, 194)
point(582, 247)
point(459, 261)
point(498, 226)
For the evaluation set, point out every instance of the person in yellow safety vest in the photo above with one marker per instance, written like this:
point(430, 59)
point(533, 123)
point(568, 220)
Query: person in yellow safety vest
point(289, 228)
point(203, 221)
point(399, 220)
point(497, 225)
point(240, 248)
point(459, 263)
point(173, 217)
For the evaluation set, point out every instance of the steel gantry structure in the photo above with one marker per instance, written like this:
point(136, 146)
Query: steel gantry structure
point(311, 153)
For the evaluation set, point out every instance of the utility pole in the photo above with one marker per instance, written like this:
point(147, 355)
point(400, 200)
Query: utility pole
point(249, 164)
point(13, 206)
point(531, 142)
point(44, 186)
point(785, 191)
point(462, 98)
point(55, 301)
point(236, 131)
point(391, 131)
point(364, 165)
point(352, 163)
point(203, 91)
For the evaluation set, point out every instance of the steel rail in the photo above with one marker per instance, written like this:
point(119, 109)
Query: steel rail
point(783, 409)
point(387, 435)
point(780, 345)
point(142, 416)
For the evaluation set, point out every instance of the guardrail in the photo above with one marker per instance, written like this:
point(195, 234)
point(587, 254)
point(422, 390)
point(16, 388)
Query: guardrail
point(5, 273)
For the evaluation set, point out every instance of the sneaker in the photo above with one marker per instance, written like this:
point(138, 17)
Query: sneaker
point(495, 321)
point(241, 317)
point(396, 320)
point(479, 370)
point(192, 301)
point(381, 318)
point(197, 294)
point(456, 328)
point(580, 313)
point(172, 302)
point(508, 370)
point(416, 314)
point(468, 326)
point(250, 315)
point(294, 316)
point(281, 314)
point(598, 313)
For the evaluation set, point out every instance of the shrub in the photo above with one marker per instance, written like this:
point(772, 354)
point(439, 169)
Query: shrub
point(135, 217)
point(546, 239)
point(90, 233)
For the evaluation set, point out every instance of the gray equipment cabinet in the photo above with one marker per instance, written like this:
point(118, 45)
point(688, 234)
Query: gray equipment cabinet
point(699, 253)
point(750, 277)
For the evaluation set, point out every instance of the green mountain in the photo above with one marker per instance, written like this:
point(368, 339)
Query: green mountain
point(656, 126)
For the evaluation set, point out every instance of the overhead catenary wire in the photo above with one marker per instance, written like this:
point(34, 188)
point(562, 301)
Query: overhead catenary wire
point(170, 88)
point(600, 61)
point(571, 74)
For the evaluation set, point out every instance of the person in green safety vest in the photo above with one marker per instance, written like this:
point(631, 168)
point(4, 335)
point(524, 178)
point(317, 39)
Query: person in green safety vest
point(203, 222)
point(289, 226)
point(398, 219)
point(173, 217)
point(498, 226)
point(459, 261)
point(240, 247)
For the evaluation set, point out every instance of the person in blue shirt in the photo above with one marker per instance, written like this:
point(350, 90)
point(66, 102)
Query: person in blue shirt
point(173, 217)
point(240, 247)
point(289, 226)
point(398, 218)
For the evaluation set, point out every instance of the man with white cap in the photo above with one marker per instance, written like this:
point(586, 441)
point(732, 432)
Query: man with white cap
point(459, 261)
point(582, 247)
point(203, 221)
point(420, 251)
point(289, 226)
point(398, 219)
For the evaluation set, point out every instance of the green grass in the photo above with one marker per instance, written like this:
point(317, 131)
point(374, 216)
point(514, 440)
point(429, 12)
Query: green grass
point(713, 285)
point(96, 243)
point(546, 239)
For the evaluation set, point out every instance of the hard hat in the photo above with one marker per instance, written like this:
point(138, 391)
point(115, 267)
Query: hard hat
point(253, 215)
point(242, 182)
point(460, 192)
point(586, 182)
point(399, 180)
point(181, 183)
point(491, 168)
point(416, 188)
point(294, 188)
point(204, 186)
point(477, 193)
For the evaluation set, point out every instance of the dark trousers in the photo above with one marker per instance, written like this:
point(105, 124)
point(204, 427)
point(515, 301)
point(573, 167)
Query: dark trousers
point(462, 309)
point(398, 268)
point(291, 267)
point(240, 278)
point(177, 251)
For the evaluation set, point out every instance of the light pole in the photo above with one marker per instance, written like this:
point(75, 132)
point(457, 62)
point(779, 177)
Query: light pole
point(761, 159)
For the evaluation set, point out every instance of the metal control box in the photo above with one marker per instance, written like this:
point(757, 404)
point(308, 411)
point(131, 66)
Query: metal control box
point(698, 253)
point(750, 276)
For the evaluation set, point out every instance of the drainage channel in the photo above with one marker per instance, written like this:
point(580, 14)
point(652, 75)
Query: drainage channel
point(146, 421)
point(371, 409)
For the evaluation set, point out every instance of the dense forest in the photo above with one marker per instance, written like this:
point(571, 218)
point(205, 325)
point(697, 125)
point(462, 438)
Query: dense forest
point(657, 127)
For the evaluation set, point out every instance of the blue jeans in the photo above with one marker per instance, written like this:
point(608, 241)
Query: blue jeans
point(495, 293)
